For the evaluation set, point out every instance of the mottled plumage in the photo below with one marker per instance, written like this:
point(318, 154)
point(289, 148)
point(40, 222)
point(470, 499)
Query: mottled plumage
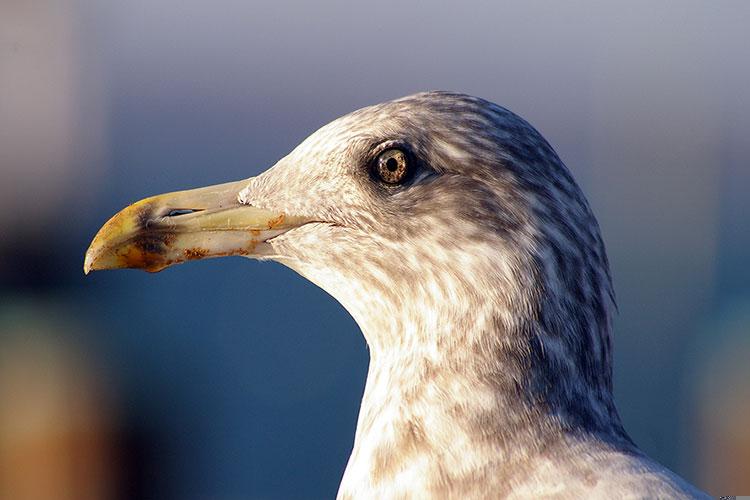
point(483, 290)
point(480, 282)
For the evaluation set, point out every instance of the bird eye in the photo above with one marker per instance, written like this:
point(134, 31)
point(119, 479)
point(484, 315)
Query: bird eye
point(391, 166)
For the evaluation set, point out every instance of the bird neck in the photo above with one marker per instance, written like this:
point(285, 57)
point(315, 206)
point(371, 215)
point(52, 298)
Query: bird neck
point(433, 408)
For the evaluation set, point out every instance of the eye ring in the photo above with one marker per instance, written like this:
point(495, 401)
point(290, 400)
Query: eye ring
point(392, 166)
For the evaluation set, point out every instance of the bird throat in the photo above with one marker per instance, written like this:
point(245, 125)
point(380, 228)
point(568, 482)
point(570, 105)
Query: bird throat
point(451, 406)
point(467, 375)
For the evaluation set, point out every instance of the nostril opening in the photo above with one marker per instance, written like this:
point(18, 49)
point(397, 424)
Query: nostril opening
point(180, 211)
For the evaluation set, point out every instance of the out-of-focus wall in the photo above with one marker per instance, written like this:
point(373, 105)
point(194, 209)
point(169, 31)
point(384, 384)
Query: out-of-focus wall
point(237, 379)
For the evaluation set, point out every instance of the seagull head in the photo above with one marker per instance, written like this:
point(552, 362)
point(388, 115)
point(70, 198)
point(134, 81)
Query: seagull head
point(445, 224)
point(460, 243)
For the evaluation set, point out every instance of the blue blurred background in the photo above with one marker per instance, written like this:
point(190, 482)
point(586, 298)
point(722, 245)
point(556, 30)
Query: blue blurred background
point(231, 379)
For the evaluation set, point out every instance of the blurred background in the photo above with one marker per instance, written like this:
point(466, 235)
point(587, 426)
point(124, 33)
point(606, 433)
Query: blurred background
point(231, 379)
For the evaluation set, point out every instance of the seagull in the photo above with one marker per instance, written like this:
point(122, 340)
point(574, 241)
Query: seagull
point(454, 235)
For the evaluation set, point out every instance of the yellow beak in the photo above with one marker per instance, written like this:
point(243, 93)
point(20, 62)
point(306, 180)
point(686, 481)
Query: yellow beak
point(171, 228)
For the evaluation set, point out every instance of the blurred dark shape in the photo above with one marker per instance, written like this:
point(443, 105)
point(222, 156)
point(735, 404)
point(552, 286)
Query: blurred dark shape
point(138, 463)
point(36, 265)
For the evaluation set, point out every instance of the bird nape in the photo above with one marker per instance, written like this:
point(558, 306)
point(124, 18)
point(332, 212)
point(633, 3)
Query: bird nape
point(460, 243)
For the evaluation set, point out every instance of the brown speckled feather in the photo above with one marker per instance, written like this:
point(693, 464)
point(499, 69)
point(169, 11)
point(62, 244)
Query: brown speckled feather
point(483, 289)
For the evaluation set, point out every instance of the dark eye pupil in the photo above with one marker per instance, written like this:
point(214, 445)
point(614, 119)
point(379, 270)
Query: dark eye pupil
point(391, 166)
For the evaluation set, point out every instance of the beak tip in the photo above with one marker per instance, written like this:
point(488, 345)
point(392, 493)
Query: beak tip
point(88, 264)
